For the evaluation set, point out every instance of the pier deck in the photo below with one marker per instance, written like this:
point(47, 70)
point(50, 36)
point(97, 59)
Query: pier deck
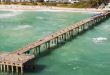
point(13, 60)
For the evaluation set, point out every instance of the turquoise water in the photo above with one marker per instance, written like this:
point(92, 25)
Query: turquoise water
point(87, 54)
point(18, 29)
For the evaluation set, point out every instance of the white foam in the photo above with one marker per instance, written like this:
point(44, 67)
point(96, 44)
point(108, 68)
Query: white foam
point(10, 14)
point(74, 68)
point(22, 27)
point(64, 10)
point(99, 39)
point(40, 18)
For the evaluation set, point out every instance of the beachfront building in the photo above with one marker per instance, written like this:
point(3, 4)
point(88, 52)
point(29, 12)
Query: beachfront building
point(63, 1)
point(73, 1)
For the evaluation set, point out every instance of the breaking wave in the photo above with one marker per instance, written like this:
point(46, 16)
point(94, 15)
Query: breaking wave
point(99, 39)
point(22, 27)
point(74, 68)
point(40, 18)
point(10, 14)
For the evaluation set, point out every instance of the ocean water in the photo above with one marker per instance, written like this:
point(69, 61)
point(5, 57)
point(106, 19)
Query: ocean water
point(87, 54)
point(19, 28)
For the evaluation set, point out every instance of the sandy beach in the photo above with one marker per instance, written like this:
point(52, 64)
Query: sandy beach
point(47, 8)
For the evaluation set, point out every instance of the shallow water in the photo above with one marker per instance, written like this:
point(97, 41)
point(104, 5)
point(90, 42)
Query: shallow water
point(87, 54)
point(19, 28)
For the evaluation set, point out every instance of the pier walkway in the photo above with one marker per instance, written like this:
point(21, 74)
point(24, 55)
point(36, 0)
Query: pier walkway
point(16, 60)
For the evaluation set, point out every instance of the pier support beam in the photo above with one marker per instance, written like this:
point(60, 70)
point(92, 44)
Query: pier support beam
point(37, 50)
point(48, 44)
point(77, 30)
point(12, 69)
point(4, 67)
point(17, 69)
point(21, 69)
point(7, 68)
point(57, 40)
point(52, 41)
point(64, 37)
point(71, 34)
point(1, 67)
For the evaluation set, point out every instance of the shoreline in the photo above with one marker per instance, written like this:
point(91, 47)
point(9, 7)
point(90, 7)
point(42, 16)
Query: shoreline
point(47, 8)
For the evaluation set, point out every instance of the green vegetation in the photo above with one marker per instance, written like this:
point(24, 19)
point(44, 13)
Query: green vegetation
point(84, 4)
point(81, 4)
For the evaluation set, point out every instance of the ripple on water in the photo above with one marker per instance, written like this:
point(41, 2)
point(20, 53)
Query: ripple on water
point(41, 18)
point(20, 27)
point(106, 27)
point(99, 39)
point(75, 68)
point(10, 14)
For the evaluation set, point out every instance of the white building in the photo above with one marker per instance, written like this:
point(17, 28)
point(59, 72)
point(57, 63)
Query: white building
point(68, 1)
point(73, 1)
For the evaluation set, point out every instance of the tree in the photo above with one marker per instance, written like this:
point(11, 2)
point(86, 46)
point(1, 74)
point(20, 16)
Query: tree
point(96, 3)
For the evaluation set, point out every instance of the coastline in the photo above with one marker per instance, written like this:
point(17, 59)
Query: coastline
point(47, 8)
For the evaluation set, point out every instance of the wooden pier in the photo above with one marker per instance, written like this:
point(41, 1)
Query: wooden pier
point(16, 60)
point(9, 61)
